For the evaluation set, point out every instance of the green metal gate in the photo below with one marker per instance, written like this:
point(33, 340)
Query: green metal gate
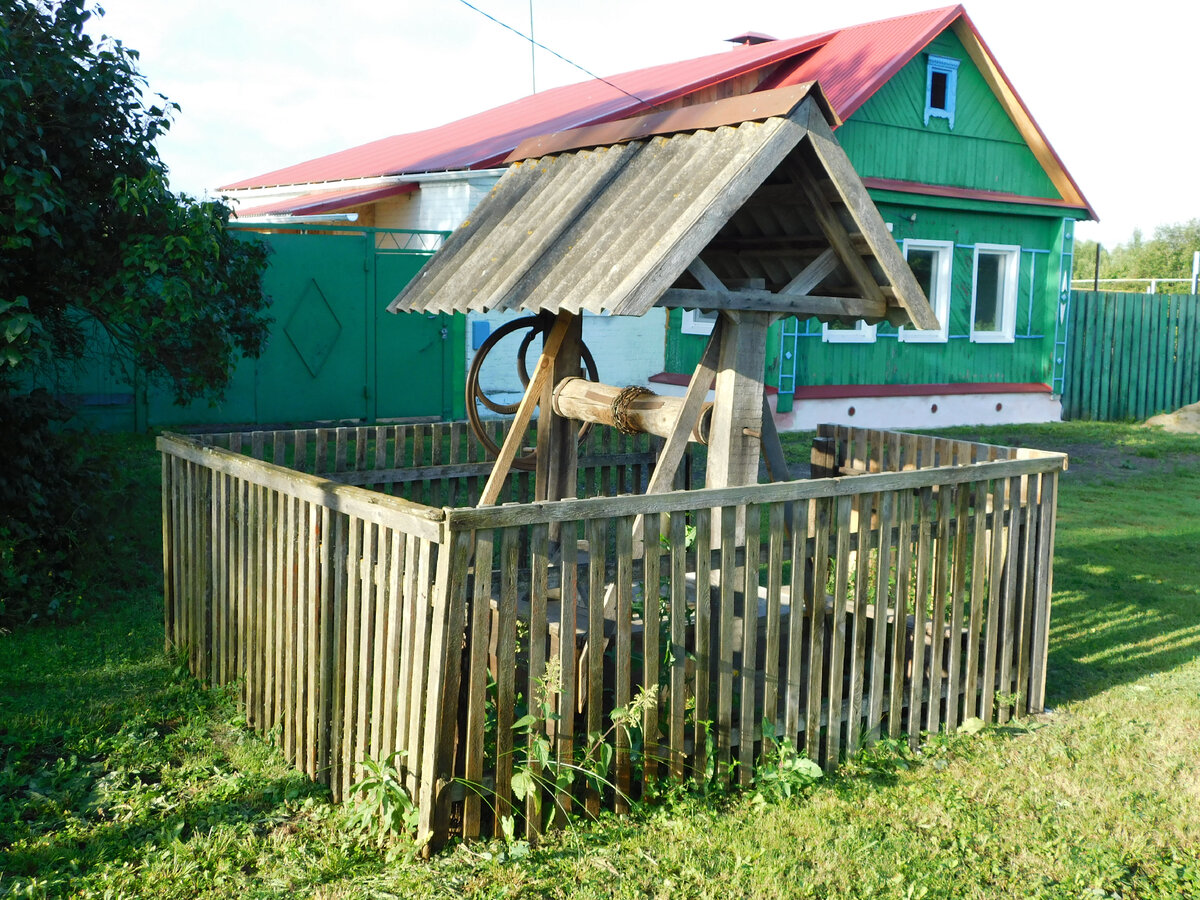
point(334, 352)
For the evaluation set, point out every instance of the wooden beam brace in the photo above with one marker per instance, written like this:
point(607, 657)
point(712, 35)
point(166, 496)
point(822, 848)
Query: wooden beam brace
point(814, 273)
point(766, 301)
point(839, 237)
point(533, 394)
point(777, 466)
point(689, 414)
point(707, 278)
point(866, 217)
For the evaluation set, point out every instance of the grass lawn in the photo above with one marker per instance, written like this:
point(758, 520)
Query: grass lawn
point(121, 777)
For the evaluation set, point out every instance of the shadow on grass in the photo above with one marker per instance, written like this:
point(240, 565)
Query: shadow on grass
point(103, 835)
point(1124, 608)
point(111, 755)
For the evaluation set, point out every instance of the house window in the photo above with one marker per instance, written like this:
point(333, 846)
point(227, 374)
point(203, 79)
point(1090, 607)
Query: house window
point(994, 293)
point(698, 322)
point(855, 333)
point(930, 262)
point(941, 85)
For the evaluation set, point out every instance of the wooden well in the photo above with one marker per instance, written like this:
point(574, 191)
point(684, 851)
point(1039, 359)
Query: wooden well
point(395, 589)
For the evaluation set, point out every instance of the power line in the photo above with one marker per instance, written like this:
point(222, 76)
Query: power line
point(569, 62)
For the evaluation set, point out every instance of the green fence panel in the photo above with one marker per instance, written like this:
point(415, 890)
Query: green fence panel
point(333, 353)
point(1131, 356)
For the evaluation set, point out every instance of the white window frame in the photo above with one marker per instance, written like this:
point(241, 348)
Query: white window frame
point(943, 270)
point(948, 66)
point(861, 333)
point(697, 321)
point(1011, 270)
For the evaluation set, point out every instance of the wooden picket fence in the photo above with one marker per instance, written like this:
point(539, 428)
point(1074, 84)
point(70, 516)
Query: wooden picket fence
point(906, 591)
point(1131, 356)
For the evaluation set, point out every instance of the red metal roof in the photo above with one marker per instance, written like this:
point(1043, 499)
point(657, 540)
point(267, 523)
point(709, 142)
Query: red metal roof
point(856, 61)
point(850, 65)
point(486, 138)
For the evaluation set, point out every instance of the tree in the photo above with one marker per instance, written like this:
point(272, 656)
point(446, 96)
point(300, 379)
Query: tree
point(1084, 260)
point(1167, 255)
point(91, 234)
point(90, 228)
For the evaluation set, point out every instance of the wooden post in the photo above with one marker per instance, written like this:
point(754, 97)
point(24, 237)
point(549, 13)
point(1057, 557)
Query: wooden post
point(733, 443)
point(737, 405)
point(557, 457)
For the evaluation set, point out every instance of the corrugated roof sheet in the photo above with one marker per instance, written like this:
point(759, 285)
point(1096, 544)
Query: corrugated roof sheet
point(611, 228)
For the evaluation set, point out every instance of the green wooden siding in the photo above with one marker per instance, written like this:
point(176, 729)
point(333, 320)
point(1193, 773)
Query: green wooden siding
point(1029, 358)
point(1131, 356)
point(887, 136)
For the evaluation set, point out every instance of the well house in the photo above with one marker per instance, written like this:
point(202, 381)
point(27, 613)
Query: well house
point(396, 593)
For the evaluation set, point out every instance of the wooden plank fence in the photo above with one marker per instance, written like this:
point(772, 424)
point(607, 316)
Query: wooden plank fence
point(1131, 356)
point(905, 592)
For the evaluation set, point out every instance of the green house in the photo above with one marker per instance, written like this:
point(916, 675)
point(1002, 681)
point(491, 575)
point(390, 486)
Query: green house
point(976, 198)
point(984, 212)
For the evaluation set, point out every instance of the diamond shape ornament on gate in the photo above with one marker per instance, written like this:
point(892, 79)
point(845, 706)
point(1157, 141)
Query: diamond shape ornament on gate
point(313, 328)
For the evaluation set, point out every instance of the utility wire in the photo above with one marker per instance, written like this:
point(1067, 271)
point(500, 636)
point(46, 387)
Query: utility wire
point(569, 62)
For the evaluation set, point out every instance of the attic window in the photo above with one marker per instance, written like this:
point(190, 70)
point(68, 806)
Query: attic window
point(941, 83)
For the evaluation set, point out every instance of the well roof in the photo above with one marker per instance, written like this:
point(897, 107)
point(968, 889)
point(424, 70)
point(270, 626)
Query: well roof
point(743, 204)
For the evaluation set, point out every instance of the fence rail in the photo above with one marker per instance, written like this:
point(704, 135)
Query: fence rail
point(1131, 356)
point(478, 643)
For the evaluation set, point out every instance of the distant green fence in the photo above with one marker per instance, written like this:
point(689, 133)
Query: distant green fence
point(1130, 356)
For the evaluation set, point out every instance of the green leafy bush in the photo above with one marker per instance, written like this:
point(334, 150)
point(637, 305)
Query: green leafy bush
point(45, 486)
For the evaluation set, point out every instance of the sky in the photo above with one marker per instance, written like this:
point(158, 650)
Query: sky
point(267, 83)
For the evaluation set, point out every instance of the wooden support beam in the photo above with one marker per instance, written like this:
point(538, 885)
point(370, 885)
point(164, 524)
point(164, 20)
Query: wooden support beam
point(735, 301)
point(732, 455)
point(558, 444)
point(533, 394)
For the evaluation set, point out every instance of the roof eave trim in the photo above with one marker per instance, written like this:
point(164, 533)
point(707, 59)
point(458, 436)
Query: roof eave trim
point(957, 193)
